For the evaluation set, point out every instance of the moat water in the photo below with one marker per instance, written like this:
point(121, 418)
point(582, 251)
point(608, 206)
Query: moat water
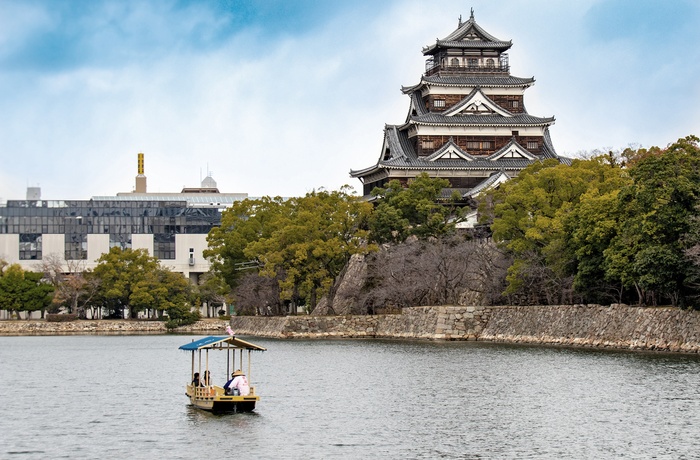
point(123, 397)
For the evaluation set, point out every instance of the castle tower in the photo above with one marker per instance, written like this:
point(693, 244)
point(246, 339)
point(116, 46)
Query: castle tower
point(466, 121)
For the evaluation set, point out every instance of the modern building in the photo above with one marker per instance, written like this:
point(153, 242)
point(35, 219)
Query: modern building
point(467, 120)
point(172, 226)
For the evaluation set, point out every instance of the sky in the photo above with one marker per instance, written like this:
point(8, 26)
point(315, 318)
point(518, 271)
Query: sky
point(283, 97)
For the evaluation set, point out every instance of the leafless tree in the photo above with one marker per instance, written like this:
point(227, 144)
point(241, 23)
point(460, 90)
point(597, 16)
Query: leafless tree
point(435, 272)
point(257, 294)
point(72, 288)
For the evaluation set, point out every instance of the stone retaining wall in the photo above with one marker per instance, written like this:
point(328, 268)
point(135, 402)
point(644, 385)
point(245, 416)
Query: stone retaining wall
point(33, 327)
point(447, 323)
point(617, 326)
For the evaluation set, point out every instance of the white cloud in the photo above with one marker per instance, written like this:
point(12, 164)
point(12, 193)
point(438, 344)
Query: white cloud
point(297, 112)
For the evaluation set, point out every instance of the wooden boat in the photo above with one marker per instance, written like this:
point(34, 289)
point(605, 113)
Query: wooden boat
point(211, 397)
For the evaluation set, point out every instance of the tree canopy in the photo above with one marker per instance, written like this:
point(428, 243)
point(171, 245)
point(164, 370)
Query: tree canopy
point(416, 209)
point(132, 278)
point(602, 227)
point(304, 242)
point(22, 290)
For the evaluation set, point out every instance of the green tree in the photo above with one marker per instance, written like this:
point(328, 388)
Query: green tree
point(22, 290)
point(125, 276)
point(411, 210)
point(532, 220)
point(244, 222)
point(657, 212)
point(304, 241)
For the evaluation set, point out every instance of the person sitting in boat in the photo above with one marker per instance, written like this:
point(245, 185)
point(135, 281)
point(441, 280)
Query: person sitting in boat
point(195, 380)
point(206, 380)
point(238, 385)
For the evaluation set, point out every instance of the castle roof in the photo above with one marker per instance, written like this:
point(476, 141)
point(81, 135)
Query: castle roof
point(468, 35)
point(518, 120)
point(468, 81)
point(512, 157)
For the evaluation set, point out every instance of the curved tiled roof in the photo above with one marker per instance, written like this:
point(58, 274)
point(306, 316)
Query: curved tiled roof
point(523, 119)
point(468, 44)
point(462, 38)
point(470, 81)
point(485, 184)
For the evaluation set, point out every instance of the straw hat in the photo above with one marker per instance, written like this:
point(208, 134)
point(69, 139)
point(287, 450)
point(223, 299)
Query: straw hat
point(237, 373)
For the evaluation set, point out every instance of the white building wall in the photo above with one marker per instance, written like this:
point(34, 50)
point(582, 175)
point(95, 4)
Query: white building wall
point(9, 248)
point(98, 244)
point(142, 241)
point(54, 244)
point(181, 264)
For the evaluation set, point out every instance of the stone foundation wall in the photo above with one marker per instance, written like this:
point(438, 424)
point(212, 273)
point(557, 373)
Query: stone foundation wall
point(447, 323)
point(32, 327)
point(617, 326)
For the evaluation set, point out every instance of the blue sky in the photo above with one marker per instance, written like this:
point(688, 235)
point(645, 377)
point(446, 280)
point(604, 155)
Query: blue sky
point(283, 97)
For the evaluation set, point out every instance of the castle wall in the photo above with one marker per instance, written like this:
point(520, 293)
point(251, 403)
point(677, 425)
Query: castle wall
point(617, 326)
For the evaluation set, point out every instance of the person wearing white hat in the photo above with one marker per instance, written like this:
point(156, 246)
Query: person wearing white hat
point(238, 385)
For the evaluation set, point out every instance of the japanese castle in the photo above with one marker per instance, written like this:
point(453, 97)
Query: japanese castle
point(467, 120)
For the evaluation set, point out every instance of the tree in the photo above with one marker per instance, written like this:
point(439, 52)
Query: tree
point(73, 286)
point(412, 210)
point(532, 220)
point(23, 290)
point(657, 213)
point(126, 276)
point(303, 242)
point(439, 271)
point(214, 291)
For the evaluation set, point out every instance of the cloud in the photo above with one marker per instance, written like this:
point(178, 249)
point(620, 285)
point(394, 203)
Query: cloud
point(280, 99)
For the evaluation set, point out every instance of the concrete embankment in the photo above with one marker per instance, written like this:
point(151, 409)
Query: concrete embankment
point(617, 326)
point(38, 327)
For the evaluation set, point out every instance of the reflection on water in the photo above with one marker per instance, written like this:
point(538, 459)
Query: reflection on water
point(123, 396)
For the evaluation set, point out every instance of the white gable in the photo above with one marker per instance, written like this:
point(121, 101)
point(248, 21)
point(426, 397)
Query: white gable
point(514, 150)
point(477, 104)
point(451, 153)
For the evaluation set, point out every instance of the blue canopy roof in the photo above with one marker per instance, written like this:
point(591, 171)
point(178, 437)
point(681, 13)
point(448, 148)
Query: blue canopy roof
point(221, 342)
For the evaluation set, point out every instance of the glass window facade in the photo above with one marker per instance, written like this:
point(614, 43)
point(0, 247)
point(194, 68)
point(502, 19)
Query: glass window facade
point(119, 219)
point(30, 246)
point(164, 246)
point(122, 241)
point(76, 246)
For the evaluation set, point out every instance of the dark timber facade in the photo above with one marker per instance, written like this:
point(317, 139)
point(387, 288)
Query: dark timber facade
point(467, 120)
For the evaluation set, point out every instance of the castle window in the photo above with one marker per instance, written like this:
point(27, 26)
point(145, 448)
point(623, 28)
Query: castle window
point(514, 104)
point(532, 145)
point(427, 144)
point(478, 145)
point(473, 62)
point(454, 62)
point(489, 63)
point(439, 103)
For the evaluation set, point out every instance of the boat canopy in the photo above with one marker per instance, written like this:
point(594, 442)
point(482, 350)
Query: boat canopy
point(220, 342)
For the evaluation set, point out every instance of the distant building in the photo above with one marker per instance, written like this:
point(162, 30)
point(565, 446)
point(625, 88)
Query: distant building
point(466, 121)
point(171, 226)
